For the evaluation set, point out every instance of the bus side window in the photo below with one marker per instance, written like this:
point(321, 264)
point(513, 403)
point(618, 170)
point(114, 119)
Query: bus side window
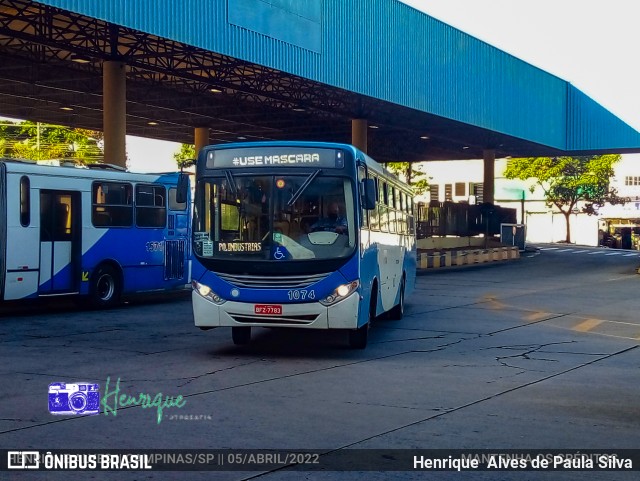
point(383, 206)
point(25, 201)
point(151, 208)
point(173, 201)
point(111, 204)
point(373, 214)
point(364, 214)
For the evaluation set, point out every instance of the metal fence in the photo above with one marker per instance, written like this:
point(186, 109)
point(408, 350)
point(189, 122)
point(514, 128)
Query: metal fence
point(453, 219)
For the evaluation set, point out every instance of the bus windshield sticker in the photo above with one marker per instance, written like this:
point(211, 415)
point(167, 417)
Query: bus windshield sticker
point(207, 248)
point(200, 236)
point(274, 157)
point(280, 253)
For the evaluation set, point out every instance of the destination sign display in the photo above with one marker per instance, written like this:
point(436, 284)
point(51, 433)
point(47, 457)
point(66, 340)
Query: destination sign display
point(239, 247)
point(275, 157)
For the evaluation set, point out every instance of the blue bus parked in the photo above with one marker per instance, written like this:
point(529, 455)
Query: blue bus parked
point(98, 232)
point(299, 234)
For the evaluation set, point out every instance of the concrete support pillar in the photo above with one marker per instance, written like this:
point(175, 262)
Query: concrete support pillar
point(114, 112)
point(489, 156)
point(359, 133)
point(201, 138)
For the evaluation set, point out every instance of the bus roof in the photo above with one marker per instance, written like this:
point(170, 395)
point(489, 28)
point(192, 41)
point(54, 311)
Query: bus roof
point(103, 172)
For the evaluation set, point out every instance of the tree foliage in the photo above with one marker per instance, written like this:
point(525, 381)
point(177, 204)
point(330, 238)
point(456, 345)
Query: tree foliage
point(36, 141)
point(416, 179)
point(571, 184)
point(185, 155)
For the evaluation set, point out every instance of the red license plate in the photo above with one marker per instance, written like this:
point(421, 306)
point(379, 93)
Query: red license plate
point(268, 309)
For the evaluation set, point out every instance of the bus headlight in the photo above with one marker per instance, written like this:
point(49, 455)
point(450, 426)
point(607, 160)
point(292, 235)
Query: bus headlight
point(341, 292)
point(207, 293)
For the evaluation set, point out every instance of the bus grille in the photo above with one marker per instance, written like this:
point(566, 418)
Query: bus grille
point(174, 259)
point(282, 320)
point(272, 282)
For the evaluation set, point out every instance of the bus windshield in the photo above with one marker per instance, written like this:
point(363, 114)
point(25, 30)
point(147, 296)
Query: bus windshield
point(278, 218)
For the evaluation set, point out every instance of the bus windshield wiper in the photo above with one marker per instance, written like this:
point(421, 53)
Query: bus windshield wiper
point(232, 182)
point(303, 187)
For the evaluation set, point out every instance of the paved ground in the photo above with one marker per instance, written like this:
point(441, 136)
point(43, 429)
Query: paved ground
point(539, 353)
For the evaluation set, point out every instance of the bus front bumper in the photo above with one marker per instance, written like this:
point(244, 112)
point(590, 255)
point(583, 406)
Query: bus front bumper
point(342, 315)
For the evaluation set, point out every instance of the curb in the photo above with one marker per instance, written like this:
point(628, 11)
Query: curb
point(428, 261)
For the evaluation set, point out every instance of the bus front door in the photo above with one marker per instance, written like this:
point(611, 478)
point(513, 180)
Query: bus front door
point(59, 241)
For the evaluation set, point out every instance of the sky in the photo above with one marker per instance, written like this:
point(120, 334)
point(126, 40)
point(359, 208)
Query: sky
point(148, 155)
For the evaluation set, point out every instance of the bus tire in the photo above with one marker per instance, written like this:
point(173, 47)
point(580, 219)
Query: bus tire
point(397, 312)
point(359, 337)
point(105, 288)
point(241, 335)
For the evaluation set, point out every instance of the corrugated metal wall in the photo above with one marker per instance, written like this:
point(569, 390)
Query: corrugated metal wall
point(388, 50)
point(401, 55)
point(591, 127)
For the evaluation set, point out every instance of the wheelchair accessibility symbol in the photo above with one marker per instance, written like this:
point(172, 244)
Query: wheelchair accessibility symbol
point(280, 253)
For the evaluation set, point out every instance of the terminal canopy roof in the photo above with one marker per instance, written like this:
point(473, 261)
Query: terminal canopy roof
point(276, 69)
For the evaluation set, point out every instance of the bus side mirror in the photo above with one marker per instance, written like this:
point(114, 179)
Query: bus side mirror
point(368, 194)
point(182, 188)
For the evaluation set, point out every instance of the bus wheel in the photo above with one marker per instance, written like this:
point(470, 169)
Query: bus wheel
point(241, 335)
point(398, 310)
point(105, 288)
point(358, 337)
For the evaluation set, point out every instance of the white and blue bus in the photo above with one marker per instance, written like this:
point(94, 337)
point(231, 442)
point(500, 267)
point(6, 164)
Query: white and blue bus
point(96, 232)
point(266, 255)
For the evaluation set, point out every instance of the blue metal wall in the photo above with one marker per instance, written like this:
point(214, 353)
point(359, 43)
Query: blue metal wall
point(383, 49)
point(591, 127)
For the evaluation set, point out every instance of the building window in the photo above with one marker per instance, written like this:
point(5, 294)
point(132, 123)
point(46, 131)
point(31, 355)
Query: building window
point(448, 189)
point(632, 180)
point(434, 192)
point(478, 191)
point(460, 189)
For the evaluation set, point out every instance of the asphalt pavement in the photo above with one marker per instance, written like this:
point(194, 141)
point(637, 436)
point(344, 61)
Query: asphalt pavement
point(539, 353)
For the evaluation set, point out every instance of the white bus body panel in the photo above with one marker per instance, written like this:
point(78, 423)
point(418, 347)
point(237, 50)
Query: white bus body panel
point(19, 285)
point(22, 246)
point(23, 243)
point(390, 262)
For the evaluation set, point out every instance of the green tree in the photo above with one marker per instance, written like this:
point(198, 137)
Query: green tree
point(185, 155)
point(415, 178)
point(569, 183)
point(37, 141)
